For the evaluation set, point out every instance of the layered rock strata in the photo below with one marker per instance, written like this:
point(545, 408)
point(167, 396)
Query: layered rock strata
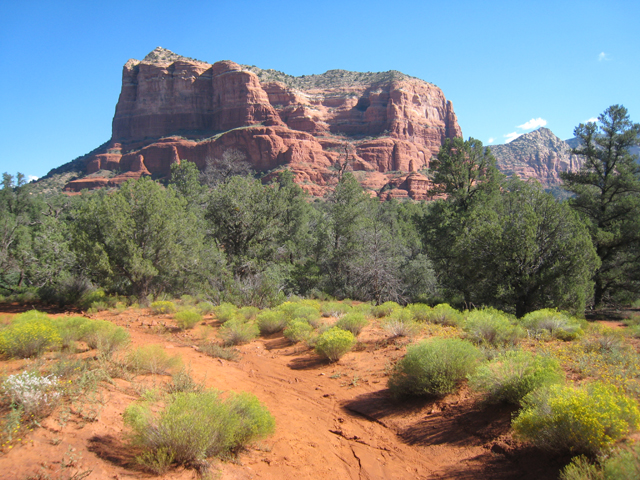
point(385, 126)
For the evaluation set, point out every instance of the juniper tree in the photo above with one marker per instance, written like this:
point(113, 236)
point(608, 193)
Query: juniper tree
point(607, 197)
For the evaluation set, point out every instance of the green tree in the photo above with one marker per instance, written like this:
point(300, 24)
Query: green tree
point(465, 173)
point(526, 252)
point(607, 197)
point(463, 170)
point(341, 233)
point(139, 239)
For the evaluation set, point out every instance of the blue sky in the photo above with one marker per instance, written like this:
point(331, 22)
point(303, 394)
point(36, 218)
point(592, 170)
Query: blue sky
point(508, 67)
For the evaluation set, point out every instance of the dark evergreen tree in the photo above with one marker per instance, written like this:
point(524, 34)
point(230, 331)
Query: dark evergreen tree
point(607, 197)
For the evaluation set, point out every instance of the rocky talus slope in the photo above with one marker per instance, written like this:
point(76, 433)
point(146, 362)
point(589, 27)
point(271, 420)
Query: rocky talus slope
point(171, 108)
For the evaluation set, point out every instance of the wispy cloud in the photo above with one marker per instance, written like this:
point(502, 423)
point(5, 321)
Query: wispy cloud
point(31, 178)
point(533, 123)
point(592, 120)
point(512, 136)
point(491, 140)
point(603, 56)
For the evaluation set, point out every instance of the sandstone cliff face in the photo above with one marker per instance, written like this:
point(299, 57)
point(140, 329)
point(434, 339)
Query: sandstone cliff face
point(173, 108)
point(538, 154)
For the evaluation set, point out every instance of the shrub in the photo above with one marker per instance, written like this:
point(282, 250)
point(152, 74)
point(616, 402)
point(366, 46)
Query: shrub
point(271, 321)
point(401, 324)
point(434, 367)
point(551, 322)
point(622, 464)
point(37, 395)
point(162, 307)
point(420, 312)
point(103, 335)
point(28, 335)
point(334, 343)
point(249, 313)
point(182, 381)
point(512, 375)
point(587, 419)
point(353, 322)
point(225, 311)
point(384, 310)
point(237, 332)
point(298, 331)
point(70, 329)
point(491, 327)
point(310, 314)
point(188, 300)
point(187, 318)
point(152, 359)
point(89, 298)
point(206, 308)
point(444, 314)
point(217, 351)
point(195, 426)
point(334, 309)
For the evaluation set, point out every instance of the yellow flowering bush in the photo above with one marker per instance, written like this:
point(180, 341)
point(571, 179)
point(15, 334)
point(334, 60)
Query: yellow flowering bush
point(163, 306)
point(587, 419)
point(29, 335)
point(334, 343)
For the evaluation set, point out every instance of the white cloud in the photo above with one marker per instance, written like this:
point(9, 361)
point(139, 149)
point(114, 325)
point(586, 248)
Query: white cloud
point(533, 123)
point(592, 120)
point(31, 178)
point(491, 140)
point(512, 136)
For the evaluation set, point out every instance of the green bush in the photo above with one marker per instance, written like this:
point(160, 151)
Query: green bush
point(491, 327)
point(249, 313)
point(225, 312)
point(29, 334)
point(188, 301)
point(334, 309)
point(434, 367)
point(187, 318)
point(310, 314)
point(298, 331)
point(193, 427)
point(384, 310)
point(89, 298)
point(622, 464)
point(182, 381)
point(152, 359)
point(103, 335)
point(70, 329)
point(353, 322)
point(551, 322)
point(205, 308)
point(237, 332)
point(420, 312)
point(512, 375)
point(401, 324)
point(334, 343)
point(444, 314)
point(587, 419)
point(271, 321)
point(217, 351)
point(162, 307)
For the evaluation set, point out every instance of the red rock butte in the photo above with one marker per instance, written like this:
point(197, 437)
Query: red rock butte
point(172, 108)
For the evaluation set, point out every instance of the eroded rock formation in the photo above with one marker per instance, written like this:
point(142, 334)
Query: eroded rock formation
point(385, 125)
point(538, 154)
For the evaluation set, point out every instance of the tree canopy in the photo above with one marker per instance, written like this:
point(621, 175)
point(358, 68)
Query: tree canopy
point(607, 197)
